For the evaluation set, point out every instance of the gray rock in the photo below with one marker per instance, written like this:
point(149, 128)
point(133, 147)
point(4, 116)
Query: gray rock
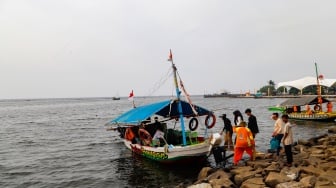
point(291, 184)
point(253, 183)
point(204, 173)
point(309, 181)
point(312, 170)
point(222, 183)
point(275, 178)
point(238, 170)
point(240, 178)
point(332, 129)
point(201, 185)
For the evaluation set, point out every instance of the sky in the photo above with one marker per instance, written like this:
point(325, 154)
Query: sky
point(104, 48)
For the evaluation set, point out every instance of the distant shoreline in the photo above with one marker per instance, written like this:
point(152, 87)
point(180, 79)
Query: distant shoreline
point(254, 96)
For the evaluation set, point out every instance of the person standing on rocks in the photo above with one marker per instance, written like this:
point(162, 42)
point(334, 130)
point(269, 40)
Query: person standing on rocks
point(228, 132)
point(244, 142)
point(278, 131)
point(252, 122)
point(287, 140)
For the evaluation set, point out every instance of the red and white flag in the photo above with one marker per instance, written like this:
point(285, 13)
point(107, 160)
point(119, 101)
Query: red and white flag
point(170, 57)
point(131, 98)
point(131, 95)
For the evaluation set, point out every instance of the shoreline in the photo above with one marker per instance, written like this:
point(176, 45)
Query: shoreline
point(314, 165)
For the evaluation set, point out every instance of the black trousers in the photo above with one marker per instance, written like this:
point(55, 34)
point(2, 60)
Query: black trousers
point(289, 154)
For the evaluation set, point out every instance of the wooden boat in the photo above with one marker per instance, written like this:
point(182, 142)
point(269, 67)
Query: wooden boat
point(139, 126)
point(296, 108)
point(301, 108)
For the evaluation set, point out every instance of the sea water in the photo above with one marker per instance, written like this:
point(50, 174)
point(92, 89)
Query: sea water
point(64, 143)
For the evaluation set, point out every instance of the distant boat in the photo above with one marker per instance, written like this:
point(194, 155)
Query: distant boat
point(115, 98)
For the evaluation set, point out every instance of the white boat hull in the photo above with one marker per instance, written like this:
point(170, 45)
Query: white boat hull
point(171, 154)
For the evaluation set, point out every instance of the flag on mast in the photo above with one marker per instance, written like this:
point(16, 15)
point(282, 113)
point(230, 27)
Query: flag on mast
point(131, 96)
point(170, 57)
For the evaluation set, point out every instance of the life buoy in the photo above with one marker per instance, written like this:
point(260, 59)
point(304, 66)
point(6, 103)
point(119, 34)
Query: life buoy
point(145, 137)
point(210, 123)
point(129, 135)
point(193, 124)
point(317, 108)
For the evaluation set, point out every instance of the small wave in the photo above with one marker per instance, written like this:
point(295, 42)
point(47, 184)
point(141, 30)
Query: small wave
point(98, 144)
point(21, 173)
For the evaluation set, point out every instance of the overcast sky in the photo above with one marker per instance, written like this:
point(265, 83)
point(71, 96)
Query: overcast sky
point(101, 48)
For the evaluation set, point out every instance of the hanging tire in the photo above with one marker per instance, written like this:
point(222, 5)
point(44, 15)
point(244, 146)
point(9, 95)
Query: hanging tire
point(317, 108)
point(193, 124)
point(210, 123)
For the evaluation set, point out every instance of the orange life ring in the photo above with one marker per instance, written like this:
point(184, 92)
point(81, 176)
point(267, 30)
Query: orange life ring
point(129, 135)
point(145, 137)
point(207, 120)
point(317, 108)
point(193, 124)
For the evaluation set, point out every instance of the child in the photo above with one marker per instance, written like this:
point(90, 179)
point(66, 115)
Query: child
point(287, 140)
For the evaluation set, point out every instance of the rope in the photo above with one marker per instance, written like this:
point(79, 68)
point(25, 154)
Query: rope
point(161, 82)
point(157, 85)
point(187, 96)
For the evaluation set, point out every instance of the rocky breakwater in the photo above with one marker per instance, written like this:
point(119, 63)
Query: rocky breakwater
point(314, 166)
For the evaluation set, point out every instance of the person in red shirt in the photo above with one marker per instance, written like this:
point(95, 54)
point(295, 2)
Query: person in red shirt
point(244, 142)
point(329, 107)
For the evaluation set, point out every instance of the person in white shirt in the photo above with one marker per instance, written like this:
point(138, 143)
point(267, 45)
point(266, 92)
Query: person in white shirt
point(287, 140)
point(278, 130)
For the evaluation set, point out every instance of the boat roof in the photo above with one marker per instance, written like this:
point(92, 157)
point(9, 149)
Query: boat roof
point(167, 109)
point(301, 101)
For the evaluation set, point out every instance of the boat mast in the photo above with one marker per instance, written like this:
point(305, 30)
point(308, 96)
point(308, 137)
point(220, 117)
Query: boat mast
point(178, 94)
point(319, 97)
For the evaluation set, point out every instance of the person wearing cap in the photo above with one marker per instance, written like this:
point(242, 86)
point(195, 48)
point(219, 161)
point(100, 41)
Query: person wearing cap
point(252, 122)
point(228, 132)
point(244, 142)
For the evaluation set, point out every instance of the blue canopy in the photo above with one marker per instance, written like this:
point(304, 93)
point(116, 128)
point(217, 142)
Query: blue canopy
point(167, 109)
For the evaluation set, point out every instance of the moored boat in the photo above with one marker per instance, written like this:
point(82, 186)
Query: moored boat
point(308, 107)
point(157, 131)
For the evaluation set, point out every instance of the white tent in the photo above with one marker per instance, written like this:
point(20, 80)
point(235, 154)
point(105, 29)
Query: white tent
point(306, 81)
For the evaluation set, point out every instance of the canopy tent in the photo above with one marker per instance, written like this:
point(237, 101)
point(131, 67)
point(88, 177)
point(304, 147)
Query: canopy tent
point(310, 100)
point(306, 81)
point(167, 109)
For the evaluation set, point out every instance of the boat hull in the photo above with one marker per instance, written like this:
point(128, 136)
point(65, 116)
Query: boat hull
point(326, 117)
point(177, 154)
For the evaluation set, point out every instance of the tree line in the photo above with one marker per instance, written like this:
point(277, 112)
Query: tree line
point(270, 89)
